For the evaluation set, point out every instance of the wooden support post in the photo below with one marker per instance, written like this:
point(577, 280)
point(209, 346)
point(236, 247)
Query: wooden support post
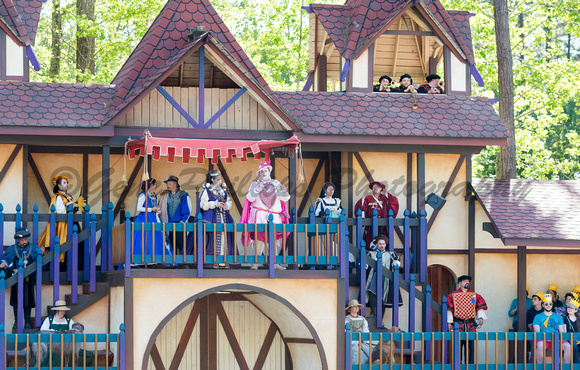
point(521, 286)
point(420, 181)
point(292, 172)
point(471, 241)
point(322, 77)
point(409, 181)
point(85, 179)
point(24, 181)
point(350, 184)
point(106, 177)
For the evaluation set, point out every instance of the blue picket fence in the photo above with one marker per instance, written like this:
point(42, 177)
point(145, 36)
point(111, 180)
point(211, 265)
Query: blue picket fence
point(21, 351)
point(448, 350)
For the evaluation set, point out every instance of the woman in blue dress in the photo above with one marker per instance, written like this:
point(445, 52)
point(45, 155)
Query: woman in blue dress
point(149, 214)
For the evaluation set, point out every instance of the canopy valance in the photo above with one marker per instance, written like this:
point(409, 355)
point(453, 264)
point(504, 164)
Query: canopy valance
point(210, 149)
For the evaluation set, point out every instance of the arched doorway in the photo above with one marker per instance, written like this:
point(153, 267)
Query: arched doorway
point(442, 282)
point(234, 329)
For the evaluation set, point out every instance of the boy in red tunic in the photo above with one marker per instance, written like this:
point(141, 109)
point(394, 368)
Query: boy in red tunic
point(466, 308)
point(379, 201)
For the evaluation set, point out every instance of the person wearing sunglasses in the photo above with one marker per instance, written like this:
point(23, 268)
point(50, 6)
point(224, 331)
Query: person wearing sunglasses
point(549, 323)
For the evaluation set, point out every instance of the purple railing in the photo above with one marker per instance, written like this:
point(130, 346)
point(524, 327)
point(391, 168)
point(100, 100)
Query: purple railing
point(86, 238)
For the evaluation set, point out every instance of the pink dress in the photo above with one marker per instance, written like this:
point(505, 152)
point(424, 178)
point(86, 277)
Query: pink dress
point(261, 203)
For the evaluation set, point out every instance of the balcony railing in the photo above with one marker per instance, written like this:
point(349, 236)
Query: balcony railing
point(57, 351)
point(437, 350)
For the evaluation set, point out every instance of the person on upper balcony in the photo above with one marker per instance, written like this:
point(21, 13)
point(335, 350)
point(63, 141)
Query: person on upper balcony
point(406, 86)
point(384, 84)
point(432, 85)
point(381, 203)
point(174, 207)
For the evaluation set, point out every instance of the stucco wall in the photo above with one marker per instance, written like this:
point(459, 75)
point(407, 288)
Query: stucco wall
point(10, 189)
point(315, 300)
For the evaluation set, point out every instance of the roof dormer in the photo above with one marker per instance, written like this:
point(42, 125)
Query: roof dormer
point(353, 45)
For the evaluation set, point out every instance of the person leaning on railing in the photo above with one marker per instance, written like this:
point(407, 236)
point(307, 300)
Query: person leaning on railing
point(358, 324)
point(27, 253)
point(573, 326)
point(548, 322)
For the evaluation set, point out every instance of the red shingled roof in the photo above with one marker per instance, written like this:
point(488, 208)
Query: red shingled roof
point(166, 39)
point(532, 209)
point(331, 113)
point(53, 105)
point(351, 26)
point(21, 19)
point(461, 19)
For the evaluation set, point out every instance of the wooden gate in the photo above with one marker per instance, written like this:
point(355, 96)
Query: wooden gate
point(220, 331)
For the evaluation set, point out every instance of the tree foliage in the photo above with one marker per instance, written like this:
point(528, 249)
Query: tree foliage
point(545, 39)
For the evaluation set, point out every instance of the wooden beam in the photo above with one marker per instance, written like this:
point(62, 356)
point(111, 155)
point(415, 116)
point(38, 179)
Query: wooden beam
point(447, 189)
point(128, 186)
point(409, 194)
point(299, 340)
point(39, 179)
point(364, 167)
point(106, 177)
point(9, 162)
point(185, 336)
point(25, 156)
point(266, 347)
point(204, 333)
point(181, 74)
point(408, 33)
point(232, 189)
point(310, 186)
point(396, 51)
point(350, 182)
point(420, 181)
point(85, 193)
point(419, 51)
point(231, 336)
point(156, 357)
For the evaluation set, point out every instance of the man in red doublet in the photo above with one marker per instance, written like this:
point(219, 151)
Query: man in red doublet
point(466, 308)
point(379, 201)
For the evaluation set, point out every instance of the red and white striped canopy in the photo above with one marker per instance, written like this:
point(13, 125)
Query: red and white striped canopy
point(211, 149)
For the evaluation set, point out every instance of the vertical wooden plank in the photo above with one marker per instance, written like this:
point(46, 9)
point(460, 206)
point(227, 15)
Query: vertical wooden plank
point(254, 114)
point(176, 116)
point(231, 112)
point(129, 118)
point(192, 93)
point(215, 104)
point(262, 124)
point(168, 118)
point(153, 109)
point(246, 111)
point(161, 103)
point(137, 117)
point(145, 111)
point(221, 122)
point(184, 104)
point(239, 104)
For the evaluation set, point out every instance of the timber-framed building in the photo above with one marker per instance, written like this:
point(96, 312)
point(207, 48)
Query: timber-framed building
point(189, 79)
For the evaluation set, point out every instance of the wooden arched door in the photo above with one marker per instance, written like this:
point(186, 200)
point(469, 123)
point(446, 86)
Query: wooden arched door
point(220, 331)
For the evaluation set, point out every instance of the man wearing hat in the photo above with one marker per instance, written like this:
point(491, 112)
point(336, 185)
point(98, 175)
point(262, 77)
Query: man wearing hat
point(381, 203)
point(466, 308)
point(432, 86)
point(175, 206)
point(384, 84)
point(549, 322)
point(27, 253)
